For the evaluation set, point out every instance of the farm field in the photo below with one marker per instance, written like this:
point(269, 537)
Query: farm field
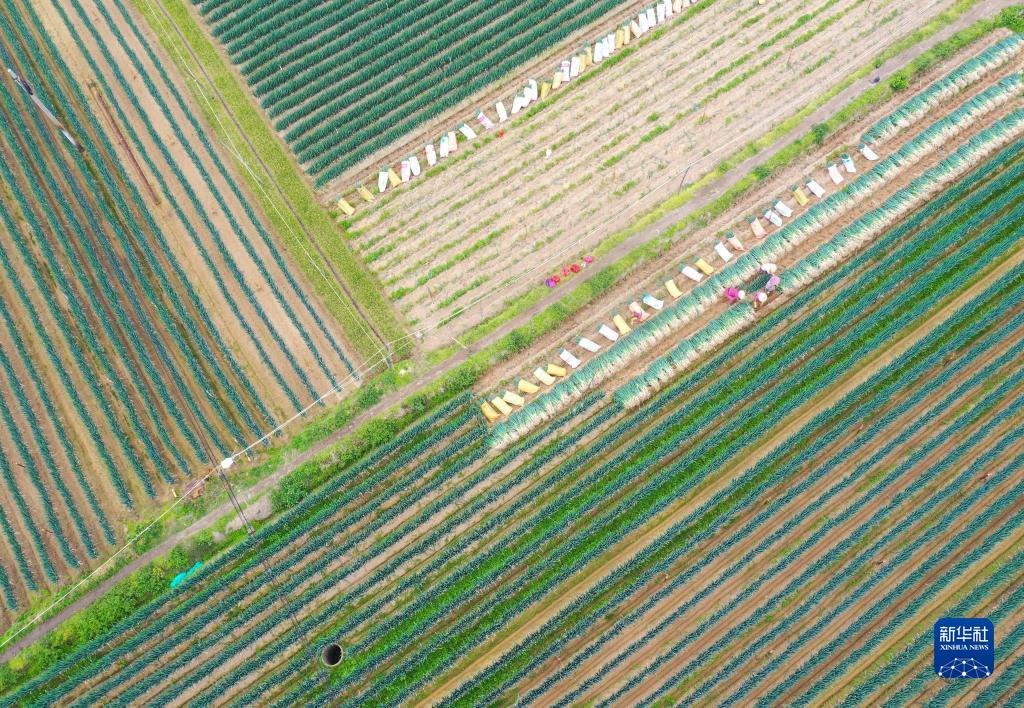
point(152, 325)
point(751, 461)
point(815, 223)
point(340, 96)
point(764, 512)
point(456, 248)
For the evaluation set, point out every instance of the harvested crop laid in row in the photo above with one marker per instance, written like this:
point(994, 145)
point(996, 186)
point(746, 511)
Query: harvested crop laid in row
point(627, 537)
point(342, 81)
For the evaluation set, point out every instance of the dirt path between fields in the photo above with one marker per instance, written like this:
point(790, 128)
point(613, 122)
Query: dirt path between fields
point(986, 8)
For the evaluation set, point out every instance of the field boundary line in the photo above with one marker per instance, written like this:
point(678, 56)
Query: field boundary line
point(349, 301)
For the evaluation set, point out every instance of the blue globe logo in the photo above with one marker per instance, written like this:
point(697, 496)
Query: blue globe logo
point(963, 668)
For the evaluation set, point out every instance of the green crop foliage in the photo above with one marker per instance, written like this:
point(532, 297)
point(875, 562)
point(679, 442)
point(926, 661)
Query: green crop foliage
point(627, 474)
point(375, 76)
point(602, 472)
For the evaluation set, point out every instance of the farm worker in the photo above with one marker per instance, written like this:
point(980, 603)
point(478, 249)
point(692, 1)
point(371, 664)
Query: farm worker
point(550, 282)
point(575, 268)
point(588, 259)
point(732, 294)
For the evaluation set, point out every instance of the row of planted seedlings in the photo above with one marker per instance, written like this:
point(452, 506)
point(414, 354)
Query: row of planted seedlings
point(105, 266)
point(914, 591)
point(224, 252)
point(29, 260)
point(744, 344)
point(599, 152)
point(438, 546)
point(19, 502)
point(89, 312)
point(591, 613)
point(266, 239)
point(598, 611)
point(629, 425)
point(749, 340)
point(39, 437)
point(992, 598)
point(15, 335)
point(124, 212)
point(747, 592)
point(305, 600)
point(663, 126)
point(586, 157)
point(1017, 276)
point(484, 507)
point(425, 215)
point(435, 654)
point(860, 559)
point(242, 319)
point(990, 521)
point(877, 492)
point(915, 597)
point(202, 333)
point(236, 567)
point(269, 242)
point(700, 299)
point(468, 503)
